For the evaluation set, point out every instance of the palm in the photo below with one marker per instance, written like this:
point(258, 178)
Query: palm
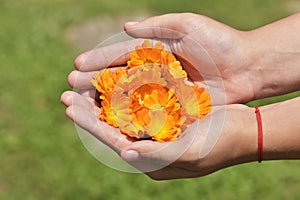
point(212, 53)
point(214, 63)
point(197, 153)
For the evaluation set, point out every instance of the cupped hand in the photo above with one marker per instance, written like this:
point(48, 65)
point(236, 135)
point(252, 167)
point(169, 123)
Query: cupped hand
point(213, 54)
point(207, 146)
point(218, 53)
point(215, 142)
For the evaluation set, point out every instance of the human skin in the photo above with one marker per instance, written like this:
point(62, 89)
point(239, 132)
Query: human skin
point(236, 144)
point(251, 64)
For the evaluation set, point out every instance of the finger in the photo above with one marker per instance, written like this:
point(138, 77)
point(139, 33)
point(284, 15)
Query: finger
point(165, 26)
point(66, 98)
point(72, 98)
point(112, 55)
point(138, 157)
point(81, 80)
point(150, 156)
point(107, 134)
point(89, 94)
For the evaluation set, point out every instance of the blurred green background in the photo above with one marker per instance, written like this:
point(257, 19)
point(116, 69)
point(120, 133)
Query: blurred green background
point(41, 155)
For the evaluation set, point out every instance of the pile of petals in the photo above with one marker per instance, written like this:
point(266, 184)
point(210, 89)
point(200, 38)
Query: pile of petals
point(149, 98)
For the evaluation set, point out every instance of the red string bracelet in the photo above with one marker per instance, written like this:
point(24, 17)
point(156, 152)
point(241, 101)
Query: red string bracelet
point(260, 134)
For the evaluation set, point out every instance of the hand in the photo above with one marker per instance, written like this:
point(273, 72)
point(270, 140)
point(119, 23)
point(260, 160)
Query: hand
point(249, 65)
point(203, 149)
point(236, 66)
point(226, 62)
point(191, 160)
point(216, 52)
point(211, 53)
point(210, 144)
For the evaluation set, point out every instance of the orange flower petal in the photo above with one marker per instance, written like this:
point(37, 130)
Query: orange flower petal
point(149, 98)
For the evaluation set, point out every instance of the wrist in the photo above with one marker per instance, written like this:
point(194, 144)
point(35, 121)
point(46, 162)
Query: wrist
point(272, 61)
point(237, 142)
point(247, 136)
point(240, 135)
point(281, 126)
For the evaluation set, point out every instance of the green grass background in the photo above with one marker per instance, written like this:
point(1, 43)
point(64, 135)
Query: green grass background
point(41, 156)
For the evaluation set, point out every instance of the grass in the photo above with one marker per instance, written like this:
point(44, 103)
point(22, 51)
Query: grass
point(41, 154)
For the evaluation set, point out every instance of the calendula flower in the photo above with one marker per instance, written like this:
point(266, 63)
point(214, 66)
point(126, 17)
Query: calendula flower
point(196, 103)
point(138, 76)
point(146, 54)
point(157, 110)
point(169, 59)
point(171, 129)
point(150, 101)
point(106, 80)
point(114, 109)
point(149, 98)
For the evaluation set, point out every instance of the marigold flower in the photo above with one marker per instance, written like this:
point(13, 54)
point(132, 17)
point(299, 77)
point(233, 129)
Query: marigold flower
point(138, 76)
point(196, 103)
point(114, 109)
point(149, 98)
point(106, 80)
point(146, 54)
point(158, 112)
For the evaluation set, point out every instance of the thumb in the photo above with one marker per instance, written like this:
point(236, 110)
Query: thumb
point(148, 156)
point(165, 26)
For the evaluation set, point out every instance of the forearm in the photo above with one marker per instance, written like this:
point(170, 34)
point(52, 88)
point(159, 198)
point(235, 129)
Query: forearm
point(274, 57)
point(281, 130)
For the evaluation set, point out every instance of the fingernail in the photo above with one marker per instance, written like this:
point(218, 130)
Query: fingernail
point(131, 23)
point(130, 155)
